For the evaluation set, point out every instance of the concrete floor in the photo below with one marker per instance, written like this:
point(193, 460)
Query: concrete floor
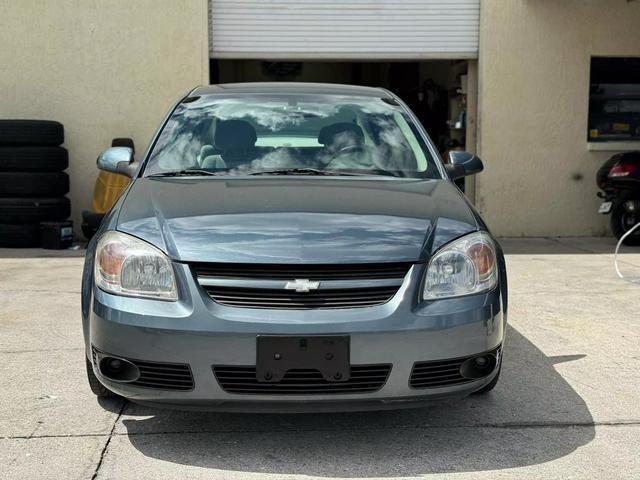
point(567, 405)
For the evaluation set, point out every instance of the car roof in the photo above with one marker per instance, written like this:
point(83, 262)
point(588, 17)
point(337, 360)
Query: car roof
point(291, 87)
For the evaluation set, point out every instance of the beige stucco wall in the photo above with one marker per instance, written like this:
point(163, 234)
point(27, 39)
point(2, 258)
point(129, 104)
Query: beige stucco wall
point(106, 68)
point(533, 104)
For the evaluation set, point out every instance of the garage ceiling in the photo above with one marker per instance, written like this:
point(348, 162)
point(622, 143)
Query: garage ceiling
point(356, 29)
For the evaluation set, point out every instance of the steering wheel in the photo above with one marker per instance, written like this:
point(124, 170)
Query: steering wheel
point(344, 151)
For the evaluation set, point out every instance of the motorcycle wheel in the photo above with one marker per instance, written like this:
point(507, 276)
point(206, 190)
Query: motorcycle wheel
point(623, 221)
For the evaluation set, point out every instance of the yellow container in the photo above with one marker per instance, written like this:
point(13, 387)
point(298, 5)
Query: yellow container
point(109, 186)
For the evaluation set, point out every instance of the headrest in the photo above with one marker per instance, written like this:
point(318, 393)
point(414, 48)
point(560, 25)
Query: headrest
point(207, 150)
point(328, 133)
point(234, 134)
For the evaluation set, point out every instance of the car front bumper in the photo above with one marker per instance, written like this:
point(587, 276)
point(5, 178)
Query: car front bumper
point(197, 332)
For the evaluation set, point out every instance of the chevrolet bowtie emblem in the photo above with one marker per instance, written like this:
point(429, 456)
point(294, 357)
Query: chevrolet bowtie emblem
point(302, 285)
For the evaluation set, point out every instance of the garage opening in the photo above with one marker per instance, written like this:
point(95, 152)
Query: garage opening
point(425, 52)
point(436, 90)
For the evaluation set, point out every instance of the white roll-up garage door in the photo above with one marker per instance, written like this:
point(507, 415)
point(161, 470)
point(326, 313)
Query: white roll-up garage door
point(347, 29)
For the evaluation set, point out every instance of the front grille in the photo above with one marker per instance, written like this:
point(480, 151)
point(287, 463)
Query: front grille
point(441, 373)
point(287, 299)
point(357, 271)
point(242, 379)
point(264, 285)
point(161, 376)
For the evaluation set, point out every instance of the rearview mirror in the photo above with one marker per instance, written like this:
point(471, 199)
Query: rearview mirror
point(118, 160)
point(462, 164)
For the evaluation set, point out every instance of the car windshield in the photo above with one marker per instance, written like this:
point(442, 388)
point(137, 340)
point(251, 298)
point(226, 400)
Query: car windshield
point(290, 134)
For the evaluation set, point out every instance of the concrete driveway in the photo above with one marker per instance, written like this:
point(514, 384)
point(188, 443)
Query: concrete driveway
point(567, 405)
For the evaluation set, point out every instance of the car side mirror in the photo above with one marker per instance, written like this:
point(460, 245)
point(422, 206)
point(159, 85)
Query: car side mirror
point(118, 160)
point(462, 164)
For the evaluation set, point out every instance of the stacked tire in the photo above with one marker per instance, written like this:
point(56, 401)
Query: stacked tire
point(32, 182)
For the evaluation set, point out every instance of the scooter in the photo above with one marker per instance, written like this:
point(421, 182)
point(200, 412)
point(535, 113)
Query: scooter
point(619, 180)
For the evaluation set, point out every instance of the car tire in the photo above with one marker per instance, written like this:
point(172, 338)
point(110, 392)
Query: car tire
point(21, 184)
point(31, 132)
point(492, 384)
point(19, 236)
point(33, 159)
point(98, 389)
point(33, 210)
point(620, 225)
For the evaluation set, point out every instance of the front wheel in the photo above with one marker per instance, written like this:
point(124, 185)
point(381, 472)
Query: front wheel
point(622, 221)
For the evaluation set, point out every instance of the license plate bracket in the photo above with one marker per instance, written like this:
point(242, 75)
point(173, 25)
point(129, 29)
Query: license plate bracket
point(276, 355)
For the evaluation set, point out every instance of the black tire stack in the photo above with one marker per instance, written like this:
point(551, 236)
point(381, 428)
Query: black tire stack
point(32, 182)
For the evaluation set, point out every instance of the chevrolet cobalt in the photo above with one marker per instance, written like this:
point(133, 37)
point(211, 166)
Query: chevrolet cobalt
point(292, 247)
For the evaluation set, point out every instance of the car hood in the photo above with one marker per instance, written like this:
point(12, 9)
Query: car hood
point(295, 220)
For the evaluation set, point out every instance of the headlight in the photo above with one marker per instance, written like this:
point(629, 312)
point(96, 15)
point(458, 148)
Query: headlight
point(464, 267)
point(125, 265)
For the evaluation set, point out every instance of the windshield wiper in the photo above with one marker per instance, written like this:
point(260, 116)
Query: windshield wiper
point(296, 171)
point(316, 171)
point(184, 173)
point(284, 171)
point(379, 171)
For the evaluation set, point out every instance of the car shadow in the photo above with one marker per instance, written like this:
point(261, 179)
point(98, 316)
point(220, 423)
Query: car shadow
point(533, 416)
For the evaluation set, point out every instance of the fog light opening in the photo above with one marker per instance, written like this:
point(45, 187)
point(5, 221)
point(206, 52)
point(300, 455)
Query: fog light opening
point(481, 362)
point(118, 369)
point(479, 366)
point(115, 365)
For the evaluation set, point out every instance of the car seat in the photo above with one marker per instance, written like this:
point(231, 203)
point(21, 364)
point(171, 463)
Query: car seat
point(235, 140)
